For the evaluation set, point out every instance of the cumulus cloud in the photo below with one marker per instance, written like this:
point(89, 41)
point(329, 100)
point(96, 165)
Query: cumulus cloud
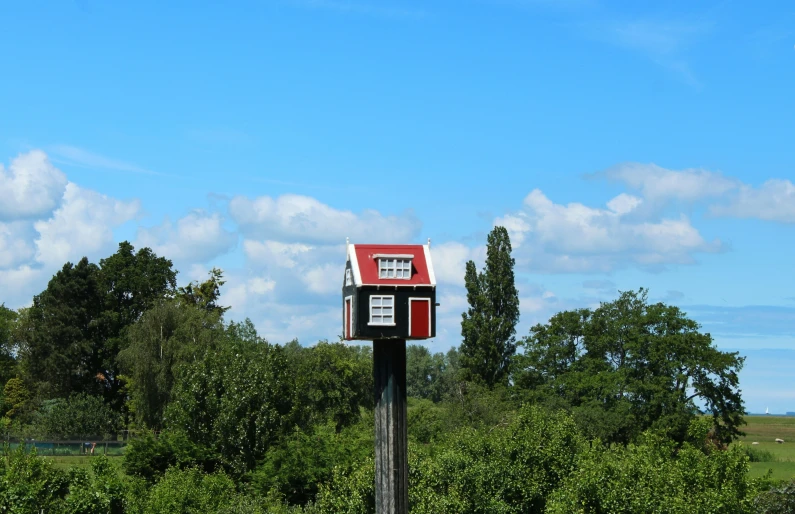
point(659, 184)
point(31, 187)
point(295, 218)
point(197, 237)
point(16, 243)
point(82, 225)
point(772, 201)
point(449, 261)
point(578, 238)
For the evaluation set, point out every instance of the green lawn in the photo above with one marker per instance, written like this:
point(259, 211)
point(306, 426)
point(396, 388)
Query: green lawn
point(80, 462)
point(765, 430)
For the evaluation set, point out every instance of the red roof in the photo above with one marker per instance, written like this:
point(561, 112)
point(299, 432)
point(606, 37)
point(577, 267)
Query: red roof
point(367, 273)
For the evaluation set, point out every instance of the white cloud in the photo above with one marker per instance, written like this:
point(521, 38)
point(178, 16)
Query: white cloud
point(578, 238)
point(772, 201)
point(72, 155)
point(323, 279)
point(197, 237)
point(295, 218)
point(16, 243)
point(82, 225)
point(31, 187)
point(275, 253)
point(659, 184)
point(449, 261)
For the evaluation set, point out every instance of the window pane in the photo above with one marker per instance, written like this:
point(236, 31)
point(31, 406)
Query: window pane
point(391, 273)
point(387, 300)
point(375, 300)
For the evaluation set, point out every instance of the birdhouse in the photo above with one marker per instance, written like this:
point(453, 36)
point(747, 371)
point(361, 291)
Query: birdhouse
point(389, 292)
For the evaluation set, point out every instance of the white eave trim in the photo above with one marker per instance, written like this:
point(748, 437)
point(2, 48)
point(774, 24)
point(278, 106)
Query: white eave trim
point(387, 287)
point(429, 264)
point(357, 274)
point(393, 256)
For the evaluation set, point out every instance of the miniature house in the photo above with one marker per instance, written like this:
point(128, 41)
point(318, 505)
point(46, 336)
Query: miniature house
point(389, 292)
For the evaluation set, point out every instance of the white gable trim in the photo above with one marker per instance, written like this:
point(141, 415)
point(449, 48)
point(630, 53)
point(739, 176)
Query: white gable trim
point(393, 256)
point(357, 274)
point(429, 264)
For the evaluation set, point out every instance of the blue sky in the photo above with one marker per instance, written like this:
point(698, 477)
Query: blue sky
point(623, 145)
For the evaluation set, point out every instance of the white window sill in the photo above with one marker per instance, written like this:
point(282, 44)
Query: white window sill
point(381, 324)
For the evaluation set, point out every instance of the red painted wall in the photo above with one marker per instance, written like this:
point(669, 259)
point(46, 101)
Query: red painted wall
point(420, 318)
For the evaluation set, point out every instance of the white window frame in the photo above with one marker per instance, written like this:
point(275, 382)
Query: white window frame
point(392, 306)
point(399, 266)
point(347, 327)
point(348, 277)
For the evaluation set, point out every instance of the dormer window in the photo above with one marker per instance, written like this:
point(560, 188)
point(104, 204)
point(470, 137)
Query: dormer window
point(394, 266)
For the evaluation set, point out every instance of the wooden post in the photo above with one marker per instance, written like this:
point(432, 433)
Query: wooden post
point(391, 436)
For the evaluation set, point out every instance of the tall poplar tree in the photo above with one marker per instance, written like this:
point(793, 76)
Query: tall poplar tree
point(489, 325)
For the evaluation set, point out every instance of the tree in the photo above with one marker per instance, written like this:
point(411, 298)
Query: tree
point(16, 398)
point(489, 325)
point(168, 335)
point(235, 401)
point(131, 283)
point(332, 381)
point(429, 376)
point(628, 366)
point(72, 333)
point(79, 417)
point(61, 352)
point(8, 363)
point(206, 294)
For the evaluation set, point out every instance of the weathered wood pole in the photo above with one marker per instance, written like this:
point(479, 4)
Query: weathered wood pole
point(391, 435)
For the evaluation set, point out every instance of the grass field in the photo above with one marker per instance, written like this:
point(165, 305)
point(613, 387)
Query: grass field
point(80, 462)
point(765, 430)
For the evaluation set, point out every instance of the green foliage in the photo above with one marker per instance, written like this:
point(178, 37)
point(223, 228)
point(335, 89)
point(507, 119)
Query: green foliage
point(777, 500)
point(332, 381)
point(100, 492)
point(629, 366)
point(189, 491)
point(30, 484)
point(8, 346)
point(16, 398)
point(61, 352)
point(72, 333)
point(235, 400)
point(655, 476)
point(168, 335)
point(489, 325)
point(429, 376)
point(301, 461)
point(205, 295)
point(81, 416)
point(509, 468)
point(757, 454)
point(149, 457)
point(427, 422)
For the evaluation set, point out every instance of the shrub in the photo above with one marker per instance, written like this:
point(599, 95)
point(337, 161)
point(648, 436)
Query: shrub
point(777, 500)
point(656, 476)
point(81, 416)
point(189, 491)
point(30, 484)
point(149, 457)
point(100, 492)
